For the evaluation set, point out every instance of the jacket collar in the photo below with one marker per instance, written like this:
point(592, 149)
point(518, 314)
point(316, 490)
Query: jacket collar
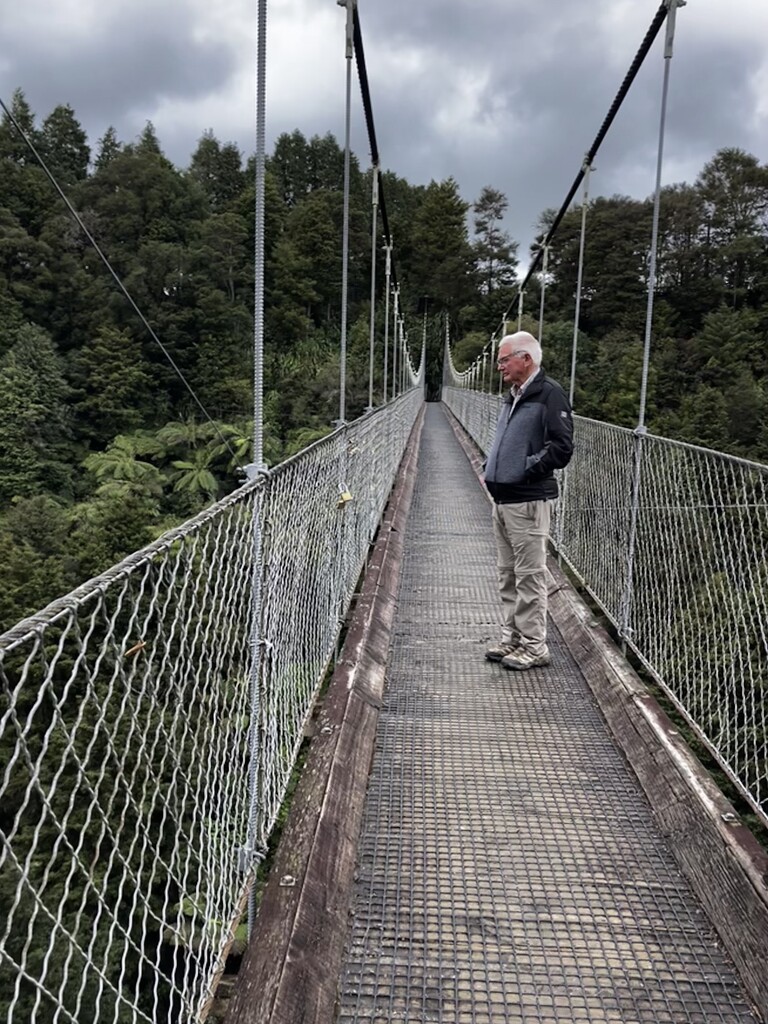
point(531, 386)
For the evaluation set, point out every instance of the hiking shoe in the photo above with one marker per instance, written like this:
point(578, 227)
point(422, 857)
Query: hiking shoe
point(500, 650)
point(521, 659)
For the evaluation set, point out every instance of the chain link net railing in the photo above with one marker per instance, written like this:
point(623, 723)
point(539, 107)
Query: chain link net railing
point(126, 743)
point(690, 594)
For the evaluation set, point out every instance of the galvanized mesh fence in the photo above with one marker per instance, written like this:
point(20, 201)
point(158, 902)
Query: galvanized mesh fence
point(126, 743)
point(678, 564)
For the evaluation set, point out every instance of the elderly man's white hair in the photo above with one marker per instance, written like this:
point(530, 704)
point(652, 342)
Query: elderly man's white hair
point(522, 341)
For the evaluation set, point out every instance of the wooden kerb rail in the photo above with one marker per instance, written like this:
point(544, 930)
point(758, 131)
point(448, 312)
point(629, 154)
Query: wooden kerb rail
point(291, 968)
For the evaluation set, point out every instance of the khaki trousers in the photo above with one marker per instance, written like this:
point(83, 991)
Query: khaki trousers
point(521, 533)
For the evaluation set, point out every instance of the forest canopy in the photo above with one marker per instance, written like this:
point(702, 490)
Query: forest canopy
point(102, 447)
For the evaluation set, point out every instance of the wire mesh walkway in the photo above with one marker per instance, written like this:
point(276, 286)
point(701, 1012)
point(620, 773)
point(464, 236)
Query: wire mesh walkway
point(508, 868)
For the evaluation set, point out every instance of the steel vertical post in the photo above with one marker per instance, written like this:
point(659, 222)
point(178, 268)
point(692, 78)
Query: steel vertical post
point(625, 629)
point(395, 340)
point(544, 263)
point(253, 853)
point(387, 288)
point(350, 6)
point(372, 330)
point(579, 279)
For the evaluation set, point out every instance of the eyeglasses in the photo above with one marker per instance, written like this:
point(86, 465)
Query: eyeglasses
point(503, 360)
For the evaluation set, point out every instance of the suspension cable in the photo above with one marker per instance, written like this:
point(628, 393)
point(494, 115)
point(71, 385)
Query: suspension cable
point(350, 6)
point(365, 92)
point(259, 465)
point(254, 846)
point(629, 78)
point(116, 277)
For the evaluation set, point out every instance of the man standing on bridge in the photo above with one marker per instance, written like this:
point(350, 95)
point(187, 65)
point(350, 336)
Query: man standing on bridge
point(534, 436)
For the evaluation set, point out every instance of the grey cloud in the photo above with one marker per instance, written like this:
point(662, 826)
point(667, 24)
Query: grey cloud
point(132, 59)
point(549, 64)
point(712, 94)
point(498, 30)
point(553, 70)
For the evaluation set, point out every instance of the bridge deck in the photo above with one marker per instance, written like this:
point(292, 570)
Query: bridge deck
point(509, 868)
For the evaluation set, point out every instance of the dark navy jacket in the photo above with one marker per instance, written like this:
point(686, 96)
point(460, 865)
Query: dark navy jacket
point(531, 441)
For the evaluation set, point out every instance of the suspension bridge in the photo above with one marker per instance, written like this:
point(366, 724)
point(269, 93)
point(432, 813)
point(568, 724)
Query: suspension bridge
point(456, 843)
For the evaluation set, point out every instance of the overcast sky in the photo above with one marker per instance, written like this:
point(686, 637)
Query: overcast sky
point(501, 92)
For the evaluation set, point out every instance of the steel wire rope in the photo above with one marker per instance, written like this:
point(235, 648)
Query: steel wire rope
point(117, 279)
point(629, 78)
point(586, 165)
point(254, 845)
point(365, 92)
point(640, 430)
point(349, 4)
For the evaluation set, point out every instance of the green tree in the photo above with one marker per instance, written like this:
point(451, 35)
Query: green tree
point(24, 188)
point(139, 196)
point(747, 412)
point(614, 293)
point(220, 253)
point(468, 348)
point(109, 147)
point(147, 214)
point(35, 564)
point(612, 382)
point(734, 189)
point(728, 340)
point(495, 252)
point(301, 167)
point(218, 171)
point(12, 145)
point(313, 229)
point(25, 267)
point(148, 143)
point(326, 164)
point(442, 265)
point(401, 201)
point(193, 478)
point(292, 296)
point(11, 316)
point(443, 261)
point(703, 417)
point(684, 274)
point(64, 300)
point(113, 390)
point(289, 165)
point(64, 146)
point(34, 424)
point(223, 368)
point(120, 472)
point(113, 524)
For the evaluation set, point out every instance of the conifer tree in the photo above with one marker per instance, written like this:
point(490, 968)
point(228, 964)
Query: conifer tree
point(108, 148)
point(218, 171)
point(34, 424)
point(64, 146)
point(734, 190)
point(443, 265)
point(495, 252)
point(12, 145)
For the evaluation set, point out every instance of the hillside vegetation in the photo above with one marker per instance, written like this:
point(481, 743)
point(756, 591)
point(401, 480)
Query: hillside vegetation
point(102, 446)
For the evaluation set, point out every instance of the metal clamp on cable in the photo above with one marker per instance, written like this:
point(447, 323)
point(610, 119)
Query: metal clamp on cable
point(256, 472)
